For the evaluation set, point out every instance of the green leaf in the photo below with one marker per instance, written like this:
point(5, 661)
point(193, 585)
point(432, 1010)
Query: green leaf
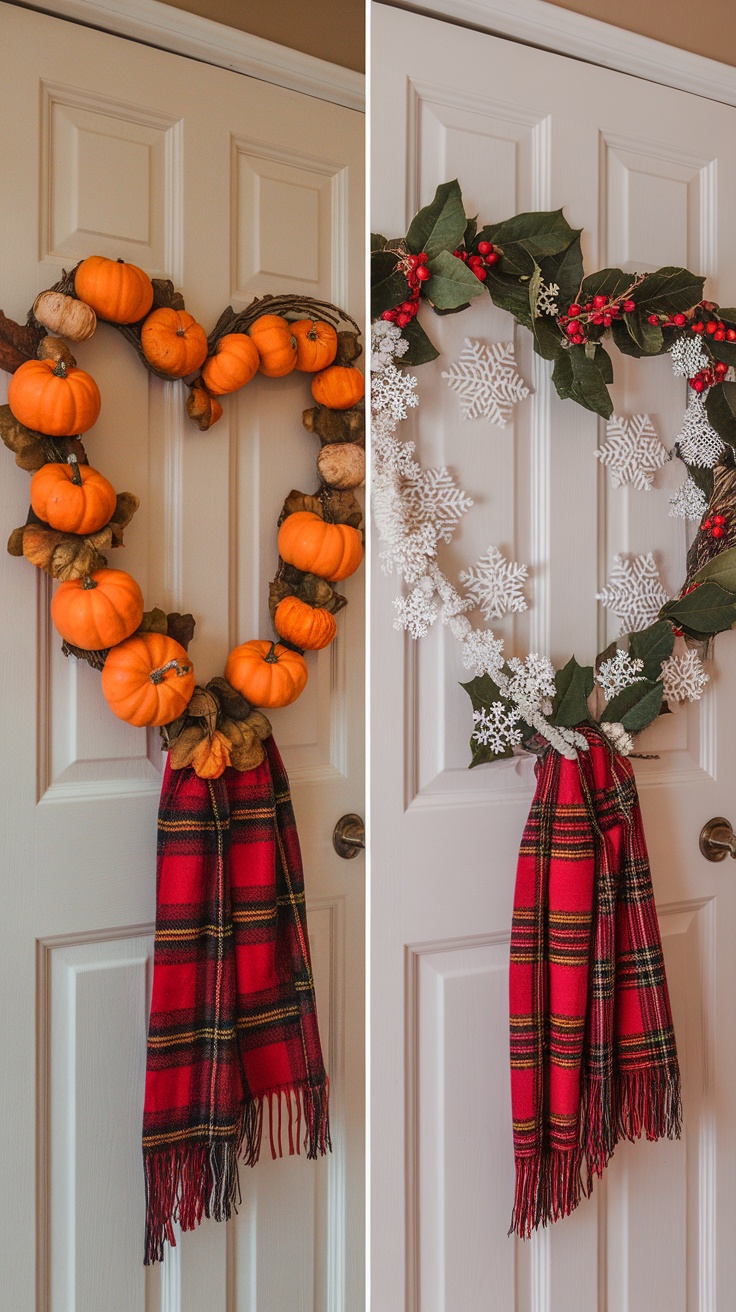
point(378, 242)
point(440, 226)
point(153, 621)
point(421, 349)
point(471, 228)
point(702, 478)
point(483, 753)
point(648, 336)
point(721, 570)
point(566, 270)
point(562, 375)
point(574, 684)
point(708, 609)
point(388, 285)
point(720, 405)
point(589, 379)
point(606, 282)
point(482, 691)
point(624, 340)
point(531, 238)
point(652, 646)
point(533, 286)
point(725, 351)
point(452, 283)
point(509, 294)
point(669, 291)
point(606, 655)
point(547, 340)
point(636, 706)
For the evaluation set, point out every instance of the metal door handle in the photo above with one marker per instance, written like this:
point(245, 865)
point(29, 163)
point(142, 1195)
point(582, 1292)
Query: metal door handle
point(717, 839)
point(348, 837)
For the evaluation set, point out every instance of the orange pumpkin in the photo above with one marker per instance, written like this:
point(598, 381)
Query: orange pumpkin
point(234, 363)
point(72, 498)
point(339, 387)
point(266, 673)
point(98, 610)
point(148, 679)
point(332, 551)
point(316, 344)
point(275, 343)
point(173, 342)
point(118, 292)
point(308, 627)
point(52, 397)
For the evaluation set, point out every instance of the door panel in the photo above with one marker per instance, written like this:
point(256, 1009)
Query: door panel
point(232, 188)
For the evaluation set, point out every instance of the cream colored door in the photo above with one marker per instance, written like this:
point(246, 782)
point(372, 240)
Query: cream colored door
point(232, 188)
point(650, 173)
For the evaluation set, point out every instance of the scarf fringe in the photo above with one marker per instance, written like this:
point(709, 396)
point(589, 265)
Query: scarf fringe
point(550, 1185)
point(188, 1182)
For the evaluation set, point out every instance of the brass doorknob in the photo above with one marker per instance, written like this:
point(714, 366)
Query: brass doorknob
point(348, 837)
point(717, 839)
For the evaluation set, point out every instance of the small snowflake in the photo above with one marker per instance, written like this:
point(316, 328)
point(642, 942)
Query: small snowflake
point(495, 584)
point(495, 727)
point(684, 678)
point(393, 392)
point(532, 682)
point(632, 451)
point(621, 740)
point(435, 496)
point(416, 612)
point(387, 345)
point(688, 502)
point(697, 442)
point(688, 357)
point(482, 652)
point(487, 382)
point(410, 553)
point(634, 592)
point(546, 302)
point(618, 673)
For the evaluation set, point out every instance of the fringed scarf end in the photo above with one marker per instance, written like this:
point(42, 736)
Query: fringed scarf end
point(649, 1101)
point(548, 1187)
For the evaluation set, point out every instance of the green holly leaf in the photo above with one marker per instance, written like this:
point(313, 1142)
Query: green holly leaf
point(471, 228)
point(530, 238)
point(648, 336)
point(482, 691)
point(562, 375)
point(547, 341)
point(606, 282)
point(452, 283)
point(388, 284)
point(566, 270)
point(421, 350)
point(441, 225)
point(509, 294)
point(708, 609)
point(574, 684)
point(584, 379)
point(378, 242)
point(636, 706)
point(702, 478)
point(721, 570)
point(669, 291)
point(725, 351)
point(720, 405)
point(653, 646)
point(624, 339)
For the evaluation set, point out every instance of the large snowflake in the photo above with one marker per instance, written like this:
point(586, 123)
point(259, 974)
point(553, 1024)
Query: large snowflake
point(618, 673)
point(697, 442)
point(417, 611)
point(435, 496)
point(688, 502)
point(495, 584)
point(496, 727)
point(683, 677)
point(393, 392)
point(532, 683)
point(634, 592)
point(632, 451)
point(486, 380)
point(482, 652)
point(688, 357)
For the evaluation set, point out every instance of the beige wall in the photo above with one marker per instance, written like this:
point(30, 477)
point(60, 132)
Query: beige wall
point(706, 29)
point(329, 29)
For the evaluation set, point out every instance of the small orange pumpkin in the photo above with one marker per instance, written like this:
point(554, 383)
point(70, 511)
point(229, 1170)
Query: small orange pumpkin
point(339, 387)
point(173, 342)
point(275, 343)
point(316, 344)
point(72, 498)
point(234, 363)
point(98, 610)
point(51, 397)
point(266, 673)
point(148, 679)
point(118, 292)
point(308, 627)
point(332, 551)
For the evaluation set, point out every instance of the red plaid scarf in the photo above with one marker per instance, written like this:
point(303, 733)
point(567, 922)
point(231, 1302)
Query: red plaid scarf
point(593, 1056)
point(233, 1021)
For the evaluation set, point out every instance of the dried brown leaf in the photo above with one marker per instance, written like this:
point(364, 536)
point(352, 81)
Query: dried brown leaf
point(260, 723)
point(211, 756)
point(185, 745)
point(204, 410)
point(348, 348)
point(154, 621)
point(180, 628)
point(300, 501)
point(23, 338)
point(165, 294)
point(15, 541)
point(127, 504)
point(203, 706)
point(72, 560)
point(94, 658)
point(246, 748)
point(232, 703)
point(32, 449)
point(341, 507)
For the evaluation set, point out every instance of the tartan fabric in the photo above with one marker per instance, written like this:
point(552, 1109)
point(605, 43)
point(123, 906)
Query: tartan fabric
point(593, 1055)
point(233, 1024)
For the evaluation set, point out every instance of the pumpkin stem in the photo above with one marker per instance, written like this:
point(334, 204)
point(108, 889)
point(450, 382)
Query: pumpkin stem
point(88, 582)
point(158, 676)
point(271, 658)
point(60, 370)
point(76, 473)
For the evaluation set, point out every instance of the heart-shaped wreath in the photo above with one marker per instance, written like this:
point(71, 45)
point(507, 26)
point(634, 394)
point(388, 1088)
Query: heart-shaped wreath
point(531, 265)
point(76, 515)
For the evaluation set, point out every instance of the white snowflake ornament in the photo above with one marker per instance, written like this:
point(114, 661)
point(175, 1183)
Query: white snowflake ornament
point(495, 727)
point(546, 302)
point(618, 673)
point(417, 611)
point(632, 451)
point(683, 677)
point(393, 392)
point(495, 584)
point(688, 502)
point(687, 357)
point(487, 382)
point(634, 592)
point(387, 345)
point(435, 496)
point(532, 684)
point(697, 442)
point(482, 652)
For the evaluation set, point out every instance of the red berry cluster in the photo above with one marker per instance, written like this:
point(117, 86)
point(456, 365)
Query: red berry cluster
point(481, 262)
point(709, 377)
point(715, 526)
point(416, 271)
point(718, 331)
point(600, 311)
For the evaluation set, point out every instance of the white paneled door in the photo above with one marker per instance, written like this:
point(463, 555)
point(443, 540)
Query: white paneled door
point(650, 173)
point(230, 187)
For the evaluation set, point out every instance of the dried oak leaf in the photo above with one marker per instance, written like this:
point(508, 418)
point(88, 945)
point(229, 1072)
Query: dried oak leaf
point(154, 621)
point(19, 340)
point(246, 749)
point(232, 703)
point(62, 555)
point(32, 449)
point(180, 628)
point(15, 541)
point(127, 504)
point(300, 501)
point(94, 658)
point(185, 745)
point(341, 507)
point(211, 756)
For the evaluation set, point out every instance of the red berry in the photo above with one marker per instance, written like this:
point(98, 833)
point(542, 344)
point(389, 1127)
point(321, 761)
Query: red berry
point(607, 320)
point(389, 315)
point(697, 327)
point(599, 302)
point(423, 273)
point(679, 320)
point(711, 326)
point(484, 247)
point(492, 258)
point(578, 339)
point(422, 257)
point(719, 519)
point(707, 523)
point(573, 311)
point(403, 319)
point(731, 334)
point(480, 272)
point(475, 259)
point(596, 318)
point(572, 329)
point(721, 367)
point(697, 384)
point(629, 306)
point(718, 532)
point(413, 261)
point(652, 318)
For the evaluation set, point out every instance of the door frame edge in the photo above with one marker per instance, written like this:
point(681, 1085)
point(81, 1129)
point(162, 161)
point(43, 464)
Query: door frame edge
point(181, 33)
point(565, 32)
